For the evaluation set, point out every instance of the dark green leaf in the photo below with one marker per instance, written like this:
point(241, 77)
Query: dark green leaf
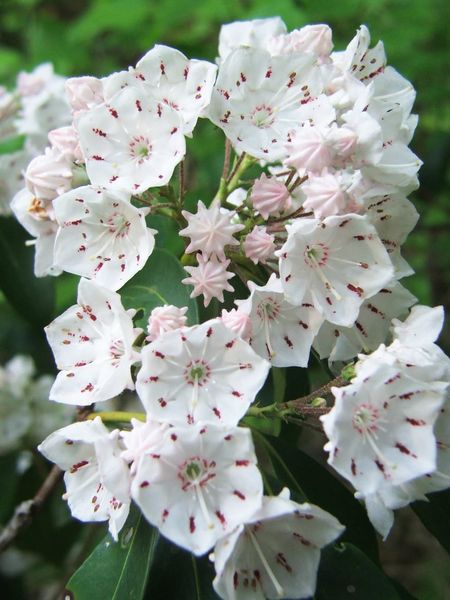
point(159, 283)
point(32, 297)
point(322, 488)
point(118, 570)
point(13, 144)
point(177, 574)
point(345, 573)
point(10, 476)
point(435, 515)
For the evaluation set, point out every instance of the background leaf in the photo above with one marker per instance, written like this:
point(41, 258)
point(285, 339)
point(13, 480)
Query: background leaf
point(118, 570)
point(435, 515)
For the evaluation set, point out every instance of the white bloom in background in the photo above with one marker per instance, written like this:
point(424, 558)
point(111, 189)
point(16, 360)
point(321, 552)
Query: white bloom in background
point(33, 217)
point(275, 553)
point(270, 196)
point(49, 175)
point(259, 245)
point(92, 343)
point(210, 230)
point(259, 99)
point(96, 478)
point(172, 79)
point(132, 143)
point(209, 278)
point(281, 332)
point(165, 318)
point(101, 235)
point(202, 373)
point(12, 167)
point(381, 427)
point(201, 483)
point(340, 261)
point(315, 39)
point(370, 329)
point(249, 34)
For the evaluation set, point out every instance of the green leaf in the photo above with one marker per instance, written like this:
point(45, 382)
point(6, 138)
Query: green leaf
point(177, 574)
point(345, 573)
point(435, 515)
point(11, 145)
point(159, 283)
point(322, 488)
point(118, 570)
point(32, 297)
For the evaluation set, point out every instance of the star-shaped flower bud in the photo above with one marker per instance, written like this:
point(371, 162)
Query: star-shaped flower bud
point(210, 229)
point(131, 143)
point(143, 439)
point(203, 373)
point(381, 427)
point(101, 235)
point(281, 332)
point(270, 196)
point(49, 175)
point(330, 194)
point(165, 318)
point(259, 245)
point(259, 99)
point(209, 279)
point(84, 93)
point(172, 79)
point(97, 479)
point(92, 343)
point(340, 261)
point(276, 553)
point(202, 482)
point(238, 321)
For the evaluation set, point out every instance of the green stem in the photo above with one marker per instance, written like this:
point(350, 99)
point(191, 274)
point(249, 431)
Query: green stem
point(118, 416)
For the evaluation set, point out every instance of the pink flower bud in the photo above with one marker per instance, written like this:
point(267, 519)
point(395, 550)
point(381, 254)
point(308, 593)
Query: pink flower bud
point(48, 175)
point(238, 321)
point(259, 245)
point(316, 39)
point(84, 93)
point(269, 196)
point(165, 318)
point(324, 195)
point(65, 141)
point(309, 150)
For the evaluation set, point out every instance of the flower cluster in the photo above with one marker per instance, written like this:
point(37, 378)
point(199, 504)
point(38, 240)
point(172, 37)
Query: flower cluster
point(315, 239)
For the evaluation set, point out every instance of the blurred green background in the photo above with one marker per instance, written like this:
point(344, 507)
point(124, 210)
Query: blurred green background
point(100, 36)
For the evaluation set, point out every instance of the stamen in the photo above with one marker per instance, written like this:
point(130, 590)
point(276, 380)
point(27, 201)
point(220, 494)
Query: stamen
point(321, 275)
point(276, 584)
point(203, 507)
point(266, 331)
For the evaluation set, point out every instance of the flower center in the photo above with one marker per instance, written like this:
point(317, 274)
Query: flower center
point(316, 255)
point(268, 309)
point(366, 419)
point(262, 116)
point(118, 224)
point(197, 372)
point(140, 148)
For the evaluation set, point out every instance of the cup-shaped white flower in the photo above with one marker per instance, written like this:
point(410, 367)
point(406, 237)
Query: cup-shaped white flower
point(276, 553)
point(132, 143)
point(97, 479)
point(203, 373)
point(340, 261)
point(381, 427)
point(281, 332)
point(101, 235)
point(202, 482)
point(93, 346)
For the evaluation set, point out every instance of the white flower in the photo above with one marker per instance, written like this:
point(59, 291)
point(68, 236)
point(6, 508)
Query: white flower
point(101, 235)
point(92, 343)
point(340, 261)
point(200, 484)
point(248, 34)
point(276, 553)
point(362, 63)
point(172, 79)
point(281, 332)
point(33, 216)
point(202, 373)
point(132, 143)
point(210, 230)
point(381, 427)
point(96, 478)
point(209, 279)
point(259, 99)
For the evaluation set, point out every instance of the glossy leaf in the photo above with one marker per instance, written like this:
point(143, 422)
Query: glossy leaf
point(345, 573)
point(435, 515)
point(32, 297)
point(118, 570)
point(159, 283)
point(13, 144)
